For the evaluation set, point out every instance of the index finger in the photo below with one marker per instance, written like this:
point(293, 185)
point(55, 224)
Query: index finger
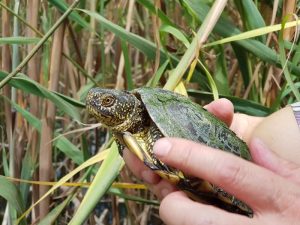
point(223, 109)
point(261, 189)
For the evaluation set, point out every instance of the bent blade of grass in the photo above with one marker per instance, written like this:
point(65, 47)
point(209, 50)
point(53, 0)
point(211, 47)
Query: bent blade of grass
point(211, 81)
point(62, 143)
point(181, 37)
point(142, 44)
point(72, 101)
point(65, 104)
point(253, 33)
point(226, 28)
point(160, 14)
point(193, 50)
point(56, 99)
point(145, 46)
point(176, 33)
point(153, 82)
point(105, 176)
point(62, 6)
point(95, 159)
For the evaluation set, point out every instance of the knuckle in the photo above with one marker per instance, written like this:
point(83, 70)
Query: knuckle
point(231, 173)
point(185, 158)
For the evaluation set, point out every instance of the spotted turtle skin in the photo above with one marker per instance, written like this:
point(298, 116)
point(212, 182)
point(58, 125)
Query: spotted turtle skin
point(146, 114)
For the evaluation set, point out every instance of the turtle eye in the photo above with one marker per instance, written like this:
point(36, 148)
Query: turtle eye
point(107, 101)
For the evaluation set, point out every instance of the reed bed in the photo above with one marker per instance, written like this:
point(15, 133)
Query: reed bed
point(57, 168)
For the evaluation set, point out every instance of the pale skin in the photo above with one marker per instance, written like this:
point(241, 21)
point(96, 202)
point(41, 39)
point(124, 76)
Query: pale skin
point(271, 186)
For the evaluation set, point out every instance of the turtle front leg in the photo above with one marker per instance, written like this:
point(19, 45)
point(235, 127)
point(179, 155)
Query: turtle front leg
point(134, 147)
point(126, 139)
point(150, 161)
point(139, 150)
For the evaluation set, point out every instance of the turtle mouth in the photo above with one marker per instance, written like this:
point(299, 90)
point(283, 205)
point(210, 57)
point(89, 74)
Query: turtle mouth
point(91, 110)
point(97, 114)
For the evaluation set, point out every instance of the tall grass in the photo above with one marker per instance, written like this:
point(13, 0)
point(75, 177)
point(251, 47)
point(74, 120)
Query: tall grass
point(122, 44)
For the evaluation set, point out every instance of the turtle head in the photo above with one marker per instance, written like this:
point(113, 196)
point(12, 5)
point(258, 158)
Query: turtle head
point(113, 108)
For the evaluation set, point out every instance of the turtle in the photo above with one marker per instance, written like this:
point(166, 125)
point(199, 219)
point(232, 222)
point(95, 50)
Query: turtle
point(140, 117)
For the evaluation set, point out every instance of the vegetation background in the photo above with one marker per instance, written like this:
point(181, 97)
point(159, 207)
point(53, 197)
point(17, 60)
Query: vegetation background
point(122, 44)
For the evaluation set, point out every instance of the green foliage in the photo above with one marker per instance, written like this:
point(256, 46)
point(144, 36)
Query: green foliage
point(235, 62)
point(102, 181)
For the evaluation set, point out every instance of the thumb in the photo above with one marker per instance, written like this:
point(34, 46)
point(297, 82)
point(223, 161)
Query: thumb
point(264, 157)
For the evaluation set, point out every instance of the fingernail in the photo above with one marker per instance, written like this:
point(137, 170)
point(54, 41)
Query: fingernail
point(162, 147)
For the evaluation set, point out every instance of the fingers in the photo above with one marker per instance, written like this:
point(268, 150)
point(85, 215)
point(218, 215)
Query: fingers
point(158, 186)
point(263, 156)
point(190, 212)
point(235, 175)
point(162, 188)
point(139, 169)
point(221, 108)
point(243, 125)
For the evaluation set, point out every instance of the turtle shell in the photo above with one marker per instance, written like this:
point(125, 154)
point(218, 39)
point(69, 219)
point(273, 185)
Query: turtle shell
point(177, 116)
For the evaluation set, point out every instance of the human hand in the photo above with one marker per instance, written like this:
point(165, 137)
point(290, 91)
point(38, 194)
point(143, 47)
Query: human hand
point(272, 193)
point(241, 124)
point(288, 174)
point(222, 108)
